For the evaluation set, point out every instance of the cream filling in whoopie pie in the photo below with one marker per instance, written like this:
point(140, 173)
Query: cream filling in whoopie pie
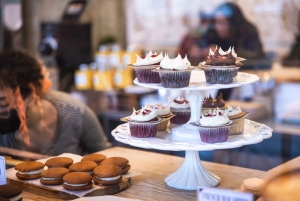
point(109, 178)
point(75, 185)
point(50, 179)
point(18, 197)
point(31, 172)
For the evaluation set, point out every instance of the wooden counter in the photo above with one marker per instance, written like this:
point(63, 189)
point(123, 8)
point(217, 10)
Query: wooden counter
point(154, 168)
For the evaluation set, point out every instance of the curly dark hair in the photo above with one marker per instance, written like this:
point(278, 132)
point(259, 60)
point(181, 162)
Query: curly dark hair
point(19, 69)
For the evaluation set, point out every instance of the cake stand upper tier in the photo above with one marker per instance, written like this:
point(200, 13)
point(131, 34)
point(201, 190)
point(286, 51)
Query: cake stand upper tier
point(197, 82)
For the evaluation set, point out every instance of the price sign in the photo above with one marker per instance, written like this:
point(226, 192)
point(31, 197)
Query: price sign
point(214, 194)
point(2, 171)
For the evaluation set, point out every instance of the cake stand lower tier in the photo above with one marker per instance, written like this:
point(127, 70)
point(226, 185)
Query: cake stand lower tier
point(192, 173)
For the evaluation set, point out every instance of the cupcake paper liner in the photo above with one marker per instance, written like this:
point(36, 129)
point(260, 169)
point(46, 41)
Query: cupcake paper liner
point(146, 75)
point(182, 116)
point(219, 76)
point(174, 78)
point(143, 130)
point(162, 126)
point(238, 123)
point(214, 135)
point(237, 126)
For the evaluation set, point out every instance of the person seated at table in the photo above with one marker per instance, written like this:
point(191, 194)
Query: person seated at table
point(293, 58)
point(230, 28)
point(35, 119)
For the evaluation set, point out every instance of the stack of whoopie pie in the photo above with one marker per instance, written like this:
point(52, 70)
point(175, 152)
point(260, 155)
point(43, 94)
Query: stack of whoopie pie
point(77, 176)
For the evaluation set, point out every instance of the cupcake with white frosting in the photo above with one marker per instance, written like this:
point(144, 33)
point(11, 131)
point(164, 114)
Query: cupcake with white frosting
point(175, 73)
point(144, 66)
point(163, 112)
point(143, 123)
point(238, 117)
point(214, 126)
point(181, 108)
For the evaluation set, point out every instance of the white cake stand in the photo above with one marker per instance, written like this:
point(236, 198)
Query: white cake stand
point(186, 137)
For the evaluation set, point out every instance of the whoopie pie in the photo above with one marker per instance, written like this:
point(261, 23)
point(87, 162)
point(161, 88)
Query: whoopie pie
point(107, 174)
point(53, 176)
point(84, 166)
point(59, 162)
point(29, 170)
point(118, 161)
point(97, 158)
point(10, 192)
point(76, 181)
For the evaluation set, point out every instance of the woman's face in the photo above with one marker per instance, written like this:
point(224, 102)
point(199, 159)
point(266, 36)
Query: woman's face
point(222, 26)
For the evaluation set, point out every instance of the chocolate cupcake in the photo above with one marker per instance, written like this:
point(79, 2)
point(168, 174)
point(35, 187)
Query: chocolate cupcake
point(163, 112)
point(181, 108)
point(221, 67)
point(175, 73)
point(238, 117)
point(211, 104)
point(143, 123)
point(144, 66)
point(214, 127)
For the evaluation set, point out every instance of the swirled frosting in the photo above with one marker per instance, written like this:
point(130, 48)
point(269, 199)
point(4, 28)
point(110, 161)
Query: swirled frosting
point(179, 103)
point(232, 112)
point(223, 58)
point(143, 115)
point(159, 108)
point(149, 59)
point(216, 118)
point(178, 63)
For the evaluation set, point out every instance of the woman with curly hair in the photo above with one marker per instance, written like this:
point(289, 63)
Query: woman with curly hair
point(33, 118)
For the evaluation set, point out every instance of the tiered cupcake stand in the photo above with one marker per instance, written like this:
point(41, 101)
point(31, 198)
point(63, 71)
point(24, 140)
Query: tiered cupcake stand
point(186, 137)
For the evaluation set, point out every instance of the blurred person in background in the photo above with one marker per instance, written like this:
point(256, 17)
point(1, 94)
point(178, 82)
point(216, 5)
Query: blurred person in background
point(35, 119)
point(293, 59)
point(189, 41)
point(230, 28)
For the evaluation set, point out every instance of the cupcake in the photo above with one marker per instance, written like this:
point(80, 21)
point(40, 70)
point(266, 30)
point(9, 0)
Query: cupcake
point(210, 104)
point(238, 117)
point(174, 73)
point(214, 126)
point(181, 108)
point(163, 112)
point(143, 123)
point(144, 66)
point(221, 67)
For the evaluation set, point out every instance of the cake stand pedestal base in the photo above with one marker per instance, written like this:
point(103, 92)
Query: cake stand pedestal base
point(192, 174)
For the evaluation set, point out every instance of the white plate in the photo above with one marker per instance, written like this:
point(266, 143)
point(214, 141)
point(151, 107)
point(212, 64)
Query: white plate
point(254, 133)
point(197, 82)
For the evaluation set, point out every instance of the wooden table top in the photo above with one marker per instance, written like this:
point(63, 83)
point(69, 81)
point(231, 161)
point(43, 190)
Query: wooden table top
point(154, 168)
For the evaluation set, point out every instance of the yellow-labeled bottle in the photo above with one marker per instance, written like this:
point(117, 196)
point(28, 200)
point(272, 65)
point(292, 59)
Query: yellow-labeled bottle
point(114, 56)
point(83, 78)
point(103, 79)
point(122, 76)
point(102, 56)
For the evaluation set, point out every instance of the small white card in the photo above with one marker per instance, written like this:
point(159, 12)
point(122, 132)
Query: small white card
point(2, 171)
point(215, 194)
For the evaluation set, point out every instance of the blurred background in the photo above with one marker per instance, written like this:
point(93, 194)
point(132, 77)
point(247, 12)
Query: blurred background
point(87, 45)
